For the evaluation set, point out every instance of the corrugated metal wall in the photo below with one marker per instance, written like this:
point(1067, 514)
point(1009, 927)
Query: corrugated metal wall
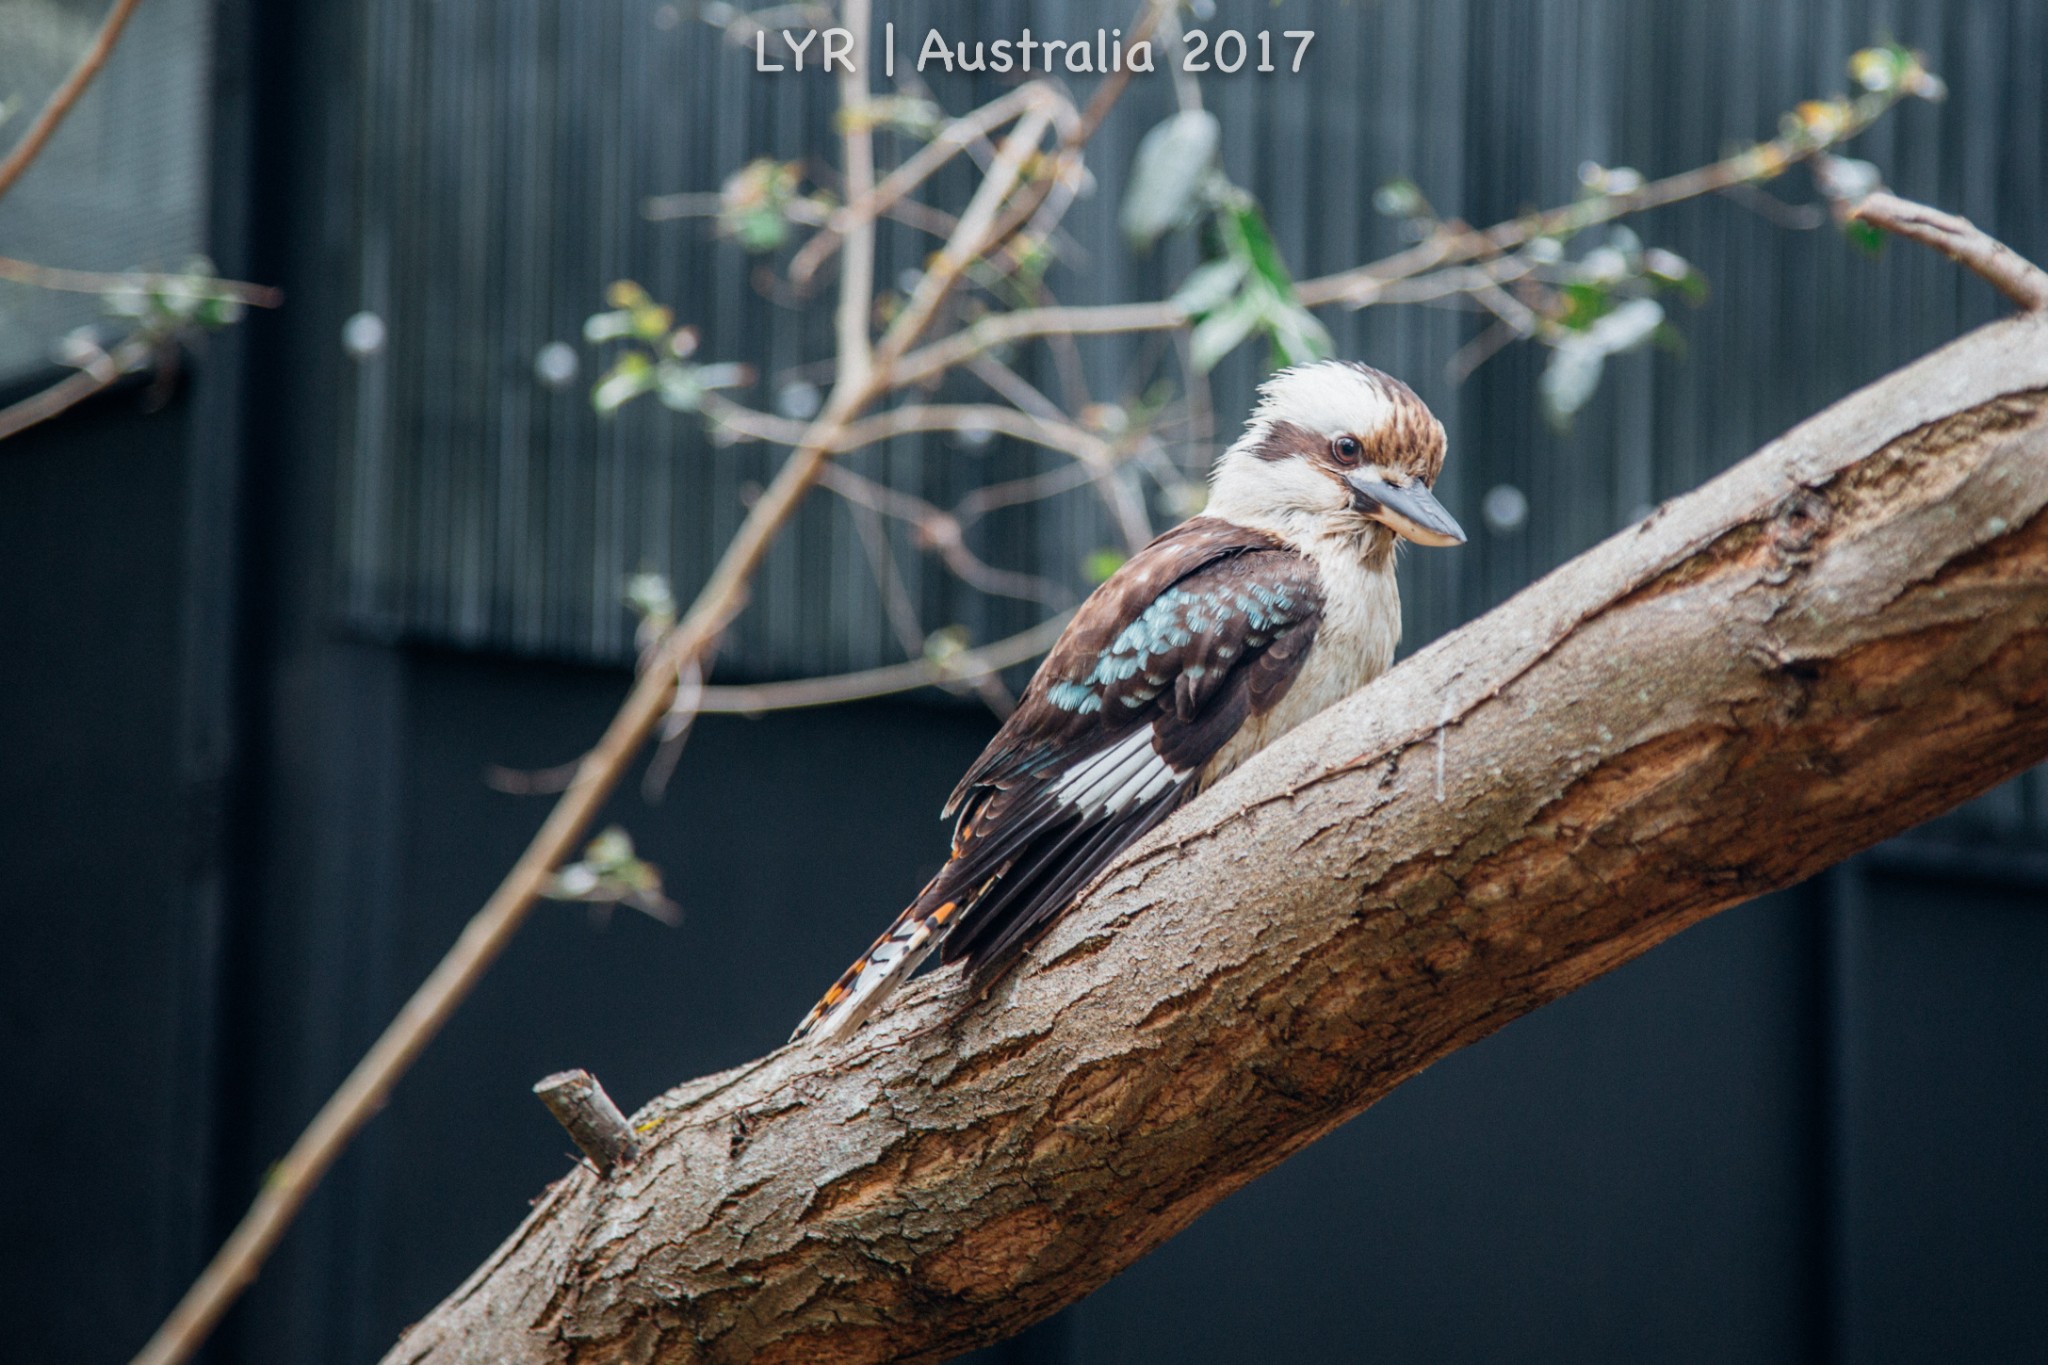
point(508, 147)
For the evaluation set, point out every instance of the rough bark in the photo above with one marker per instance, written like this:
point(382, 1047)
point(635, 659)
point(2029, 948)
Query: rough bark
point(1846, 634)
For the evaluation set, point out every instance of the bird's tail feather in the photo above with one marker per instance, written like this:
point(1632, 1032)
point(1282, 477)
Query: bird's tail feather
point(881, 969)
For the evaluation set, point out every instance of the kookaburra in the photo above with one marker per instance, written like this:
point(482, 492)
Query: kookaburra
point(1203, 648)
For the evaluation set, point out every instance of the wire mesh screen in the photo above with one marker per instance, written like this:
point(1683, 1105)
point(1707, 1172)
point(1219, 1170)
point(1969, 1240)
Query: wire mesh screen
point(506, 150)
point(123, 183)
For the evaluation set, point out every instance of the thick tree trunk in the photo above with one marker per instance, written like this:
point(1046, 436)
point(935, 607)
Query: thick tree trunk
point(1846, 634)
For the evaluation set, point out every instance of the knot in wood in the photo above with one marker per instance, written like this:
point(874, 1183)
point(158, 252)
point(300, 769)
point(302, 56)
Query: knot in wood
point(1799, 521)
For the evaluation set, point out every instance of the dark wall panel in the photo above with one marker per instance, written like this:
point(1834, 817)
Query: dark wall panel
point(106, 1141)
point(1944, 1097)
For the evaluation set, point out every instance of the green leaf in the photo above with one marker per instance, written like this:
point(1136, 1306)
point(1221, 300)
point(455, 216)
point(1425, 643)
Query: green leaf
point(629, 377)
point(1167, 174)
point(1297, 335)
point(1569, 380)
point(1244, 230)
point(608, 326)
point(1585, 303)
point(1217, 335)
point(1209, 286)
point(1627, 327)
point(754, 203)
point(759, 229)
point(1866, 236)
point(1669, 340)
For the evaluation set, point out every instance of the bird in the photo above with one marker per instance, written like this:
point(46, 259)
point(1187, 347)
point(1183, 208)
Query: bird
point(1204, 647)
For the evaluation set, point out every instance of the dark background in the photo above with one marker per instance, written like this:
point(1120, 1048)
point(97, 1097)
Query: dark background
point(243, 812)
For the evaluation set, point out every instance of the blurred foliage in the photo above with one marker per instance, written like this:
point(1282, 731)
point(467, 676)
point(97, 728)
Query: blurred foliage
point(1170, 174)
point(161, 306)
point(656, 358)
point(609, 874)
point(1244, 288)
point(754, 203)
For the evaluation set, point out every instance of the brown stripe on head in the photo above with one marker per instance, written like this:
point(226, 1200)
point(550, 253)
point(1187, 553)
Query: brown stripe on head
point(1410, 439)
point(1307, 410)
point(1281, 440)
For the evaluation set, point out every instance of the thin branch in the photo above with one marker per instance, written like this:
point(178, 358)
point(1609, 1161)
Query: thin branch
point(1366, 285)
point(1062, 171)
point(940, 531)
point(74, 389)
point(531, 781)
point(1122, 502)
point(1962, 241)
point(897, 605)
point(990, 497)
point(856, 295)
point(100, 281)
point(994, 419)
point(66, 95)
point(1361, 287)
point(861, 210)
point(1776, 211)
point(999, 329)
point(883, 682)
point(1480, 349)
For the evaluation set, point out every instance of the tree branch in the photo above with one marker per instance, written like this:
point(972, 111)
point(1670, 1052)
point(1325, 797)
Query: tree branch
point(100, 281)
point(963, 668)
point(857, 289)
point(1962, 241)
point(1366, 285)
point(592, 1121)
point(1843, 636)
point(66, 95)
point(103, 373)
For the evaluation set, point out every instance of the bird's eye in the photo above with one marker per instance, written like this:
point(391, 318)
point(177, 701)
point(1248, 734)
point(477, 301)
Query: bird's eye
point(1347, 449)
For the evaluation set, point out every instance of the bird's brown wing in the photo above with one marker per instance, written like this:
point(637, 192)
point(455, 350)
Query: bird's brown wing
point(1204, 629)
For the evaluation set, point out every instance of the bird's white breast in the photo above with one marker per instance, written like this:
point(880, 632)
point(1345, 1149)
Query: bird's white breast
point(1354, 644)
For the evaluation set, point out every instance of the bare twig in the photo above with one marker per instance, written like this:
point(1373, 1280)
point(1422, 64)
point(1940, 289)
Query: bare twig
point(66, 95)
point(1962, 241)
point(897, 604)
point(883, 682)
point(531, 781)
point(990, 497)
point(856, 297)
point(583, 1108)
point(1367, 285)
point(998, 329)
point(100, 281)
point(1097, 457)
point(74, 389)
point(862, 210)
point(994, 419)
point(942, 532)
point(1362, 287)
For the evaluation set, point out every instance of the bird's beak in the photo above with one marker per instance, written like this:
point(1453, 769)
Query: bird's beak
point(1409, 510)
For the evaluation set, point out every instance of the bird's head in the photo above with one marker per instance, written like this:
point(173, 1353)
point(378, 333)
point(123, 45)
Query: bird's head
point(1336, 449)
